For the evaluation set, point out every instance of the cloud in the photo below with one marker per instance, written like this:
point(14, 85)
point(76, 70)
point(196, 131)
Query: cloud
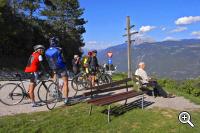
point(91, 45)
point(91, 42)
point(169, 38)
point(142, 38)
point(147, 28)
point(187, 20)
point(179, 29)
point(163, 28)
point(196, 33)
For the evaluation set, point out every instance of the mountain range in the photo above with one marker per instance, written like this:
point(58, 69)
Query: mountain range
point(172, 59)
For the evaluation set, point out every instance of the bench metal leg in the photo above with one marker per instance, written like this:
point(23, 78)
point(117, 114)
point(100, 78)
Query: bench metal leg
point(90, 110)
point(153, 94)
point(109, 113)
point(142, 101)
point(125, 102)
point(75, 94)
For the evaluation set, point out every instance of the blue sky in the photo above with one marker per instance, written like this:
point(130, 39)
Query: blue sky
point(156, 20)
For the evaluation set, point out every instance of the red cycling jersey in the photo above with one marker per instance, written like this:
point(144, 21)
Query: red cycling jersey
point(33, 63)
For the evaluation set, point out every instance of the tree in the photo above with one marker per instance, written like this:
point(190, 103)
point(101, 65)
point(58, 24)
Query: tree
point(66, 20)
point(29, 7)
point(25, 23)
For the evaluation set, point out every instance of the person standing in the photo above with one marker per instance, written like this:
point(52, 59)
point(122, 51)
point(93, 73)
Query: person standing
point(32, 67)
point(57, 64)
point(76, 64)
point(93, 66)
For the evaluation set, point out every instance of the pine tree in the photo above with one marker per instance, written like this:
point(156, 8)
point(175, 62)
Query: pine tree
point(66, 20)
point(29, 7)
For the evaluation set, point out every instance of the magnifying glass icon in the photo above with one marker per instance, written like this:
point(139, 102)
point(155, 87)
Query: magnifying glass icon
point(184, 117)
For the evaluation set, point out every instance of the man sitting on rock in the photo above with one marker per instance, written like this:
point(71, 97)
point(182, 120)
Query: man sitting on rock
point(147, 81)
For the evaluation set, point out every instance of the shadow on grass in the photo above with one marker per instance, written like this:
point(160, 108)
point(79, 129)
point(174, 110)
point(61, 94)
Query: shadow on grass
point(120, 110)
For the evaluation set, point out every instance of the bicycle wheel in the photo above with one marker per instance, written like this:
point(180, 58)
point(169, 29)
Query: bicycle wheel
point(52, 96)
point(11, 94)
point(104, 79)
point(77, 82)
point(42, 90)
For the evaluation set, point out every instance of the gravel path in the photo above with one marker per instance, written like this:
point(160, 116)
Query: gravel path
point(177, 103)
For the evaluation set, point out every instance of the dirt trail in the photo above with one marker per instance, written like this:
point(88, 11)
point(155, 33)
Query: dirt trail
point(177, 103)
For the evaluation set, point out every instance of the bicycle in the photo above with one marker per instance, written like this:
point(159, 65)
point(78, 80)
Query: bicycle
point(83, 80)
point(53, 94)
point(80, 81)
point(14, 93)
point(102, 77)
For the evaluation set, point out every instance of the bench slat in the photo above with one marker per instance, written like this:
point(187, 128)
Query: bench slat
point(106, 90)
point(100, 98)
point(110, 84)
point(112, 96)
point(116, 98)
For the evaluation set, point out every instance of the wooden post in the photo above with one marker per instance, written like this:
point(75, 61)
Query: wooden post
point(129, 45)
point(129, 34)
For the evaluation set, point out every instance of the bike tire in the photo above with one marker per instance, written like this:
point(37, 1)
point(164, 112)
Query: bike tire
point(42, 90)
point(104, 79)
point(77, 82)
point(52, 96)
point(11, 94)
point(86, 83)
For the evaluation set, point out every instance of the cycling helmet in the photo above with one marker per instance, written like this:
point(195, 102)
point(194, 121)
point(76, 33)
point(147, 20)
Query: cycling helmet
point(75, 56)
point(94, 51)
point(36, 47)
point(90, 53)
point(53, 42)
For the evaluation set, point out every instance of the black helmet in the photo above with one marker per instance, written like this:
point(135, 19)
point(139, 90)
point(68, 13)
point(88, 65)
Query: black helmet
point(94, 51)
point(53, 42)
point(36, 47)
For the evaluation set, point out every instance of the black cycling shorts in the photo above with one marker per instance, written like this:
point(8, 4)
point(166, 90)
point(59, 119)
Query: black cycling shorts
point(93, 70)
point(33, 77)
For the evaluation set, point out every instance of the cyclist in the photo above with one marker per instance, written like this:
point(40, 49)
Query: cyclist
point(85, 61)
point(32, 67)
point(93, 66)
point(76, 64)
point(57, 63)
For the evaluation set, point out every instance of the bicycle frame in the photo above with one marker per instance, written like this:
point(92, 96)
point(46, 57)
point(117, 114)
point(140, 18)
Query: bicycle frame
point(21, 84)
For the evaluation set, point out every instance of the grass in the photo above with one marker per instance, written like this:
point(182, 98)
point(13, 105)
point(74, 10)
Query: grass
point(119, 76)
point(76, 119)
point(192, 98)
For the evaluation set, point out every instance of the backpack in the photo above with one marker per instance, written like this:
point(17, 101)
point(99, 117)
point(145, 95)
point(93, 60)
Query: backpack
point(54, 58)
point(84, 61)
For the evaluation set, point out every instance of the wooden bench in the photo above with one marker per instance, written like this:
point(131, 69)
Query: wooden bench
point(140, 86)
point(113, 98)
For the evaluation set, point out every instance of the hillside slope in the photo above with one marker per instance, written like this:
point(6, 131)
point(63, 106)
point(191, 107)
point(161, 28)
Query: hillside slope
point(173, 59)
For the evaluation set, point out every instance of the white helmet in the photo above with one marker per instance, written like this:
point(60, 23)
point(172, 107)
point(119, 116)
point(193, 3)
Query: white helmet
point(36, 47)
point(75, 56)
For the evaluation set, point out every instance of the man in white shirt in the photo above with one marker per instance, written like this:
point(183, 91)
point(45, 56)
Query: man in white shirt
point(147, 81)
point(142, 73)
